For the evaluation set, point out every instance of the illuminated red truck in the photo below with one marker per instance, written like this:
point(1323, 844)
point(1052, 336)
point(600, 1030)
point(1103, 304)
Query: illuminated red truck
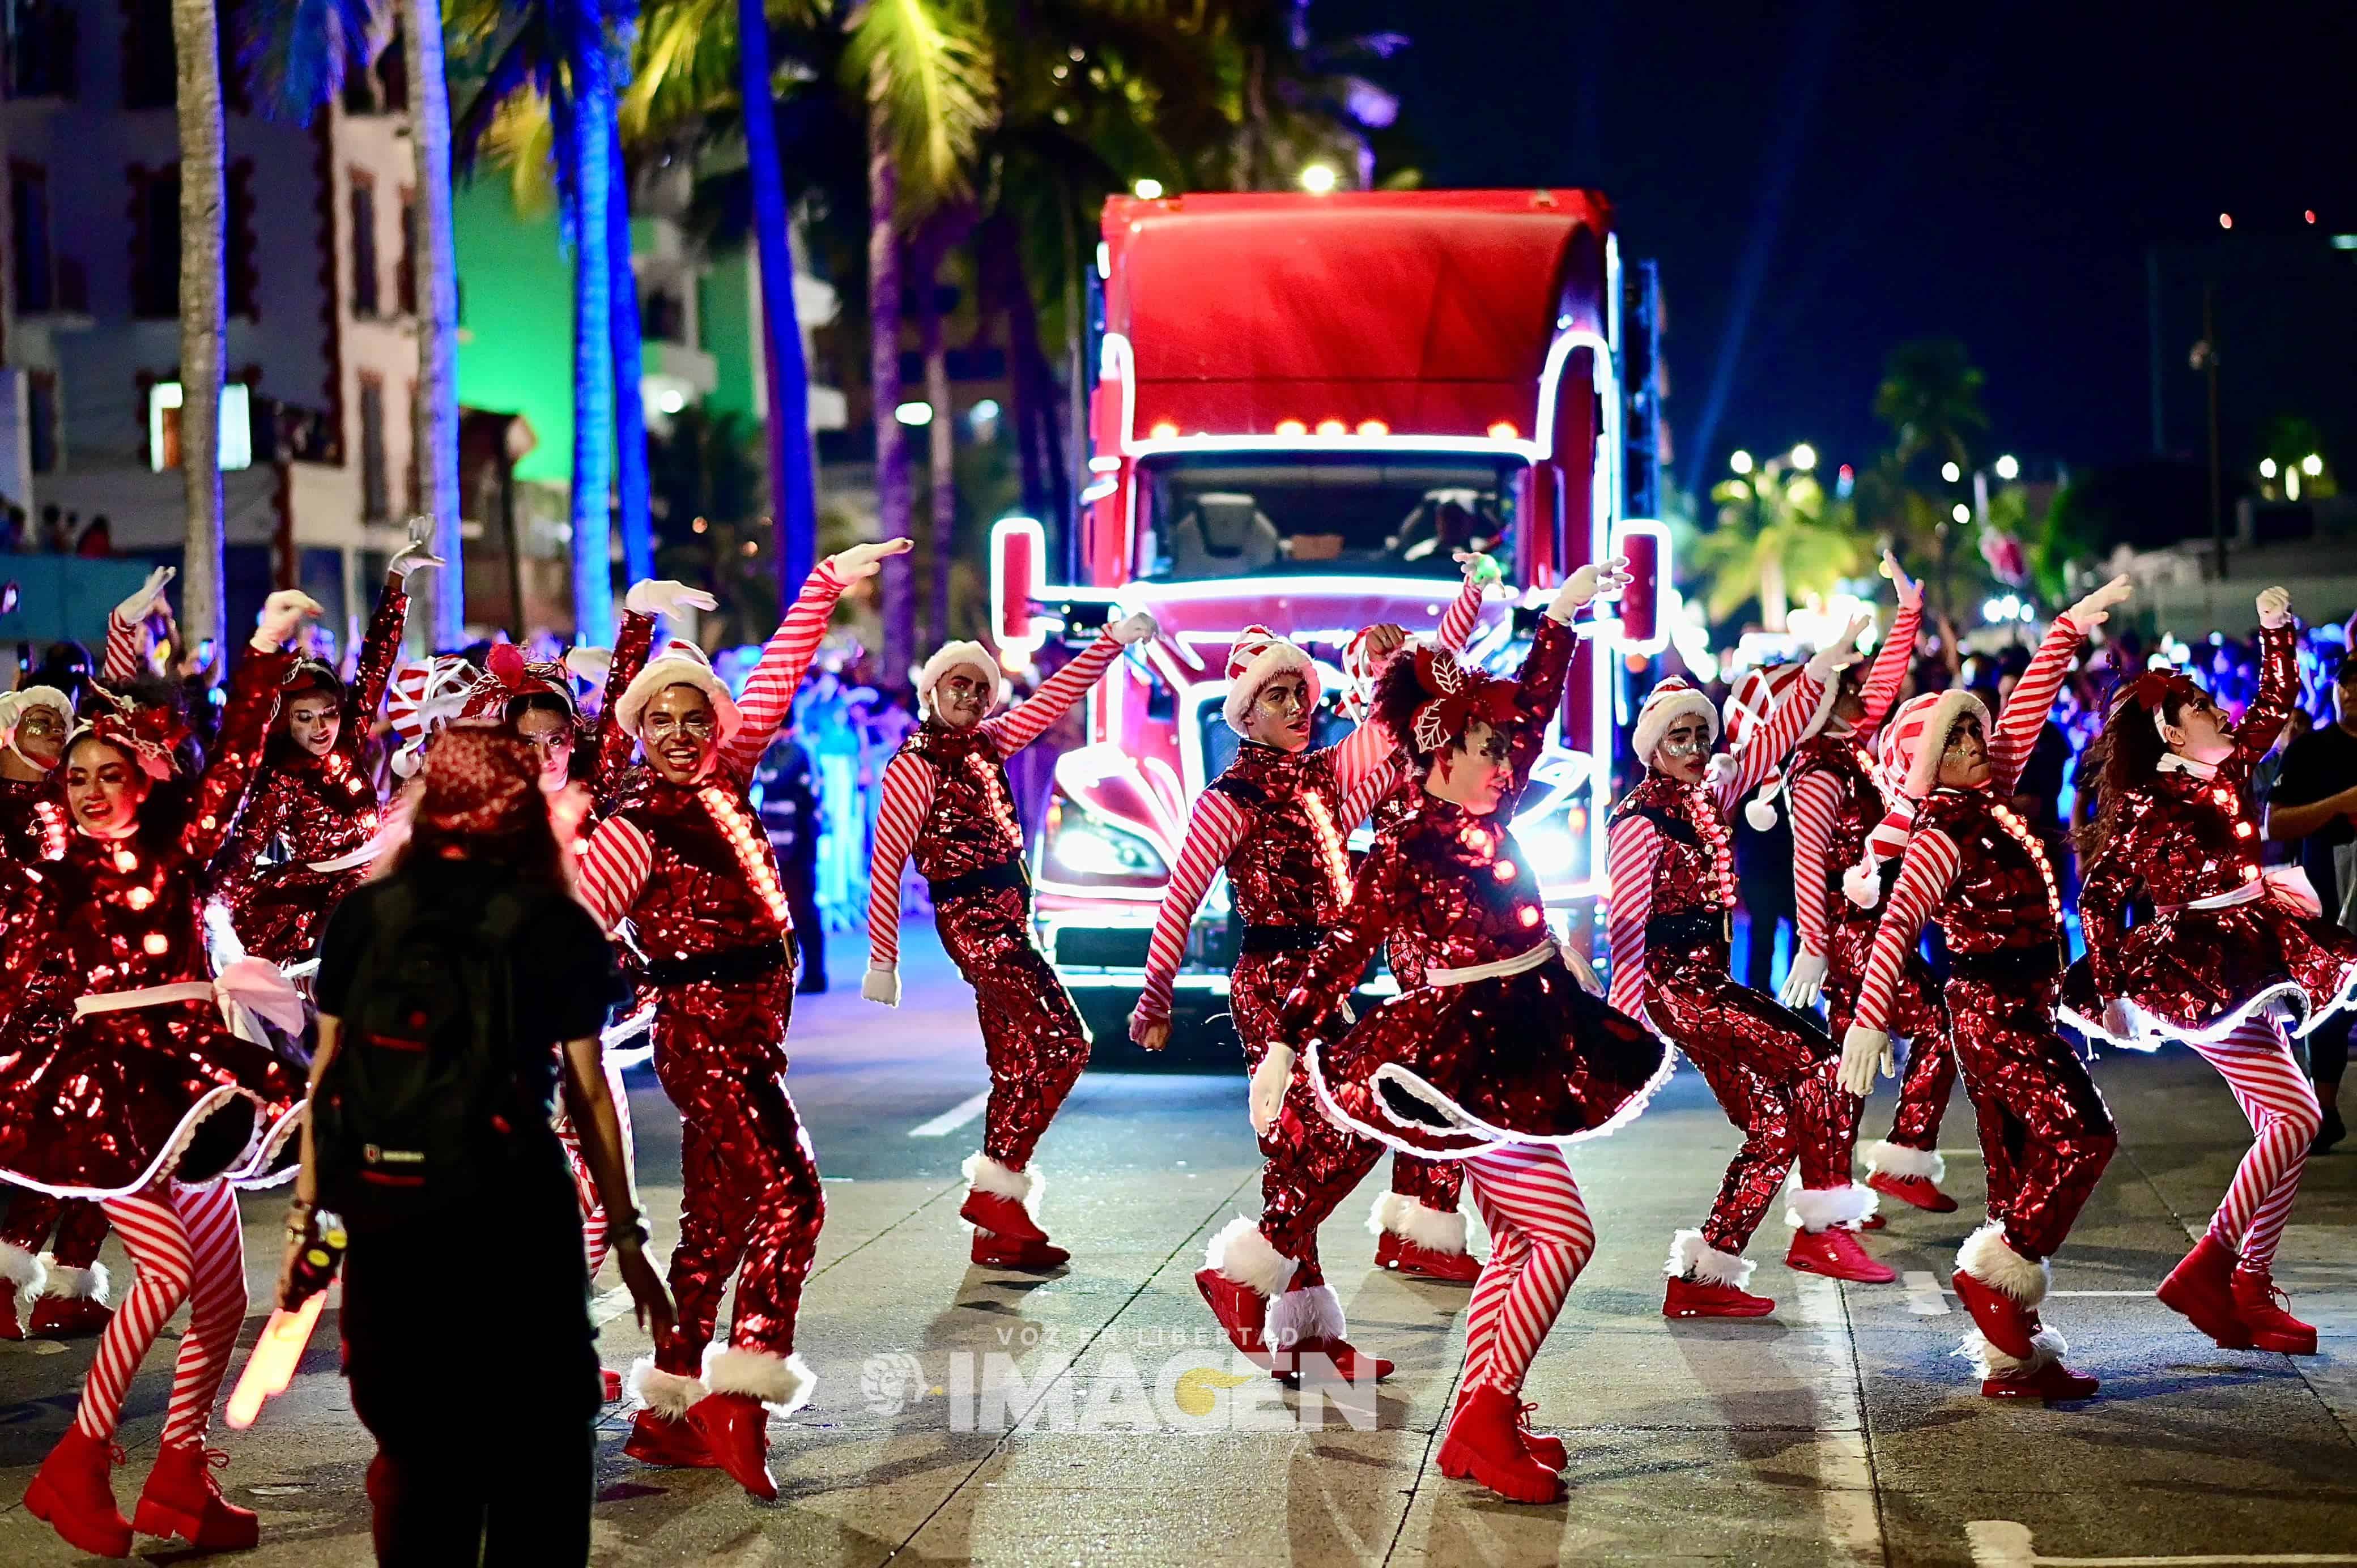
point(1302, 408)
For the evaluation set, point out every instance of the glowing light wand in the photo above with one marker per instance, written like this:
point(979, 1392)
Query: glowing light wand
point(275, 1356)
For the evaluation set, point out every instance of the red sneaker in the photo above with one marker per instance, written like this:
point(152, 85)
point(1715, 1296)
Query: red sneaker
point(181, 1498)
point(68, 1317)
point(1874, 1221)
point(72, 1495)
point(2201, 1289)
point(1241, 1311)
point(1000, 1215)
point(995, 1251)
point(672, 1444)
point(2005, 1322)
point(1835, 1253)
point(1387, 1249)
point(1432, 1264)
point(1916, 1190)
point(1485, 1445)
point(2265, 1314)
point(2052, 1382)
point(1350, 1364)
point(612, 1380)
point(1700, 1298)
point(736, 1428)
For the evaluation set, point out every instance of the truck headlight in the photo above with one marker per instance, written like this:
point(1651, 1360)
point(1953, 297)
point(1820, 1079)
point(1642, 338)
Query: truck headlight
point(1087, 848)
point(1549, 845)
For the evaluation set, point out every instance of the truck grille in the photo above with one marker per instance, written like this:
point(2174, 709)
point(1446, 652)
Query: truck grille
point(1102, 947)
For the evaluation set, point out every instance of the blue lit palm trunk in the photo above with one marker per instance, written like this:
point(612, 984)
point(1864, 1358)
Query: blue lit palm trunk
point(593, 348)
point(794, 488)
point(436, 408)
point(629, 406)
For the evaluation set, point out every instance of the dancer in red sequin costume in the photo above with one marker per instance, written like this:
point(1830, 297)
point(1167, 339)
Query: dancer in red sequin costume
point(1416, 1224)
point(2219, 952)
point(314, 805)
point(1977, 869)
point(1836, 801)
point(1499, 1055)
point(34, 723)
point(946, 801)
point(150, 1100)
point(687, 865)
point(1773, 1069)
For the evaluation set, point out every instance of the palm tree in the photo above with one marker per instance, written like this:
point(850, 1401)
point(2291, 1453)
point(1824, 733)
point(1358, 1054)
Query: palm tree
point(1930, 397)
point(1776, 537)
point(632, 502)
point(196, 43)
point(436, 410)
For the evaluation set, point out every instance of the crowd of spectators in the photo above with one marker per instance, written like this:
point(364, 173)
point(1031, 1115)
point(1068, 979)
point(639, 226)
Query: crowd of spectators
point(57, 533)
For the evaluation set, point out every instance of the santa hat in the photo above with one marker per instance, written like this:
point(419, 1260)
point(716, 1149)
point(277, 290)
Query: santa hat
point(423, 695)
point(511, 676)
point(1673, 699)
point(1913, 738)
point(1749, 704)
point(679, 664)
point(1255, 657)
point(13, 703)
point(959, 656)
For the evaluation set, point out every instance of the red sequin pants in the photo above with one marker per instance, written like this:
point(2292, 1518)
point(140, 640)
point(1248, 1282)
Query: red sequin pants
point(1308, 1165)
point(1436, 1184)
point(1776, 1074)
point(1919, 1014)
point(750, 1204)
point(2046, 1134)
point(80, 1223)
point(1031, 1033)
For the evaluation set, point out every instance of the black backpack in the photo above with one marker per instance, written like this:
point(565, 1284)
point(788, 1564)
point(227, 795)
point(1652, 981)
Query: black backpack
point(418, 1110)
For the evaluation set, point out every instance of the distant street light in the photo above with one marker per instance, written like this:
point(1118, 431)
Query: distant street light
point(916, 413)
point(1740, 461)
point(1318, 179)
point(1148, 189)
point(2266, 467)
point(2225, 220)
point(1805, 457)
point(1951, 473)
point(1960, 512)
point(2312, 464)
point(2007, 468)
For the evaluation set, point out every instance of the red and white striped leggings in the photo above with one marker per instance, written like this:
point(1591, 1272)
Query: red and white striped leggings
point(1540, 1238)
point(595, 1238)
point(187, 1246)
point(2274, 1094)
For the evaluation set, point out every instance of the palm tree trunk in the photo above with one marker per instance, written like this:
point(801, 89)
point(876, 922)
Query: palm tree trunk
point(944, 453)
point(196, 43)
point(434, 410)
point(1773, 599)
point(793, 462)
point(893, 500)
point(631, 486)
point(593, 350)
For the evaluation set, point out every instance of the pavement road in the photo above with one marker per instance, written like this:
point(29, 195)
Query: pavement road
point(1840, 1431)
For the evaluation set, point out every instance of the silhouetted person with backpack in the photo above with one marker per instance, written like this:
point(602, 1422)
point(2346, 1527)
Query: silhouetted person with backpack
point(455, 992)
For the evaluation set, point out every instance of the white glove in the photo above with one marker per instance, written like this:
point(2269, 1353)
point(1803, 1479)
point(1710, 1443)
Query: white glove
point(589, 664)
point(1864, 1052)
point(1909, 592)
point(1804, 982)
point(1581, 970)
point(2118, 1022)
point(661, 597)
point(1840, 653)
point(863, 560)
point(882, 984)
point(1135, 629)
point(142, 604)
point(417, 555)
point(1268, 1084)
point(2274, 609)
point(283, 615)
point(2094, 609)
point(1589, 582)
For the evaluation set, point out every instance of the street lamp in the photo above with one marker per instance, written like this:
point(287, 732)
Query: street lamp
point(2266, 467)
point(1951, 473)
point(1740, 461)
point(1148, 189)
point(914, 413)
point(1318, 179)
point(2006, 469)
point(1960, 512)
point(1805, 457)
point(2312, 464)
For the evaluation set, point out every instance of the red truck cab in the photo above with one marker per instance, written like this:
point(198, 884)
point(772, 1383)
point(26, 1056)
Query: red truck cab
point(1303, 407)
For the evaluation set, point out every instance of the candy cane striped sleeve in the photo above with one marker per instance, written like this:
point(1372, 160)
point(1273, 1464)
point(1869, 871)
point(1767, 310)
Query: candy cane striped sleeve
point(785, 658)
point(1925, 875)
point(1213, 830)
point(1371, 789)
point(614, 866)
point(1632, 852)
point(2033, 697)
point(125, 647)
point(1363, 751)
point(907, 799)
point(1027, 720)
point(1888, 672)
point(1816, 801)
point(1463, 614)
point(1748, 765)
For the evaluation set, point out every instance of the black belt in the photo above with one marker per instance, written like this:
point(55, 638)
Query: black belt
point(2039, 961)
point(1263, 939)
point(730, 967)
point(1686, 930)
point(989, 879)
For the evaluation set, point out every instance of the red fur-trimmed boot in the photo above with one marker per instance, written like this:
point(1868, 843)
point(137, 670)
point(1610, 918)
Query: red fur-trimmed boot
point(1004, 1202)
point(72, 1495)
point(1241, 1273)
point(734, 1418)
point(1420, 1242)
point(2201, 1289)
point(182, 1500)
point(995, 1251)
point(2040, 1375)
point(1822, 1239)
point(1485, 1445)
point(1706, 1283)
point(2001, 1289)
point(1305, 1336)
point(660, 1434)
point(1910, 1176)
point(2265, 1317)
point(72, 1303)
point(21, 1277)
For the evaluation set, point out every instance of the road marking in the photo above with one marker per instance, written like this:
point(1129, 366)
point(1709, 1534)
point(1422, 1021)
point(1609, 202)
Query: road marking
point(2087, 1293)
point(1924, 1296)
point(1848, 1500)
point(2002, 1543)
point(949, 1120)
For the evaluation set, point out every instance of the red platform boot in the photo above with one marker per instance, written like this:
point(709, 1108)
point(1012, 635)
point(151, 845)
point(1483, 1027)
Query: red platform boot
point(1836, 1253)
point(995, 1251)
point(1000, 1201)
point(2001, 1289)
point(1544, 1446)
point(2040, 1375)
point(2199, 1290)
point(72, 1495)
point(2265, 1316)
point(1242, 1312)
point(660, 1435)
point(736, 1428)
point(1485, 1445)
point(181, 1498)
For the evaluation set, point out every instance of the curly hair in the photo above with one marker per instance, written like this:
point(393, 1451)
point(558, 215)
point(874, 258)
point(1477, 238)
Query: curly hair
point(2129, 749)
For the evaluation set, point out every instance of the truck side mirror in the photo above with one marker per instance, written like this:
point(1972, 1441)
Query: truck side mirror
point(1646, 543)
point(1019, 558)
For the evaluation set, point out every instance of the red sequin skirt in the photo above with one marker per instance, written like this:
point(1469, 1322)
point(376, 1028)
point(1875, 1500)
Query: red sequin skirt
point(2199, 973)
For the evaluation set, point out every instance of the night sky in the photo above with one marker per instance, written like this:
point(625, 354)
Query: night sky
point(1873, 172)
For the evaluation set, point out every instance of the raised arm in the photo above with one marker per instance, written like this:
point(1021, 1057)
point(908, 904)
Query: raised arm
point(1464, 611)
point(1888, 672)
point(236, 753)
point(1747, 767)
point(1925, 874)
point(1029, 719)
point(380, 651)
point(1816, 802)
point(1633, 852)
point(908, 796)
point(126, 630)
point(1370, 789)
point(768, 695)
point(613, 868)
point(1213, 830)
point(2270, 709)
point(2027, 710)
point(1342, 954)
point(610, 745)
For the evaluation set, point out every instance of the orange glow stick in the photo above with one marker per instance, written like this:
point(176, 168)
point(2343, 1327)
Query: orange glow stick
point(275, 1356)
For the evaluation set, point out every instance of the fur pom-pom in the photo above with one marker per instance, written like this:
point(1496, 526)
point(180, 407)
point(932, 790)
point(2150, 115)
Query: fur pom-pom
point(1240, 1253)
point(1760, 813)
point(1690, 1255)
point(1862, 883)
point(1313, 1311)
point(1987, 1259)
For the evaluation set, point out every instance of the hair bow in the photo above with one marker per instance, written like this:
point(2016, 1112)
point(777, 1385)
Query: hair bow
point(1458, 697)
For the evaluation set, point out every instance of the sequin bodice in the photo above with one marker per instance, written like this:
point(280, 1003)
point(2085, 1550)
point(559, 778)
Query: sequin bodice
point(972, 825)
point(1695, 872)
point(33, 823)
point(713, 887)
point(1290, 868)
point(2004, 895)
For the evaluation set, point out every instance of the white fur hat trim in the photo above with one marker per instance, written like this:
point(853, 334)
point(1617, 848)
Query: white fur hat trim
point(1671, 700)
point(1258, 657)
point(679, 664)
point(959, 656)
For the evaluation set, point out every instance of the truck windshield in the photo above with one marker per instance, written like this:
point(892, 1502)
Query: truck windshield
point(1224, 514)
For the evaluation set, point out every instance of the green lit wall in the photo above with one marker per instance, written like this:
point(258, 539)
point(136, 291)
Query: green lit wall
point(515, 319)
